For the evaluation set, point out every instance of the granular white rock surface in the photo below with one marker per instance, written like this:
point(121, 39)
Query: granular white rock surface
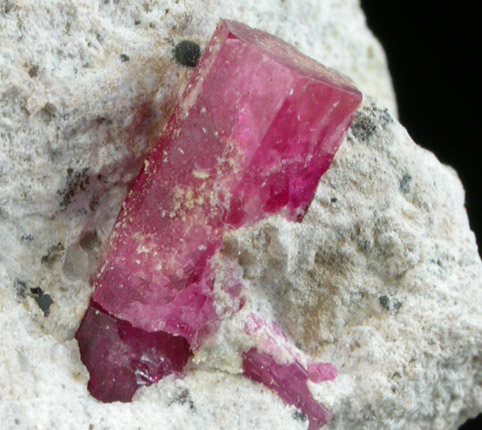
point(382, 278)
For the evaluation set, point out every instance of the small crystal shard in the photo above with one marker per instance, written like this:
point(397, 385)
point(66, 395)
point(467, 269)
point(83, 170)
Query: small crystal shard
point(289, 381)
point(256, 127)
point(276, 363)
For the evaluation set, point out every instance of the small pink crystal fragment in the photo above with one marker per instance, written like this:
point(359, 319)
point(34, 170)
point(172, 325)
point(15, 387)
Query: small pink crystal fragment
point(289, 381)
point(321, 372)
point(256, 127)
point(279, 365)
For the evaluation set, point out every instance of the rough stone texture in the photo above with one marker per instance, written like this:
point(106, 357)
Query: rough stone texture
point(382, 278)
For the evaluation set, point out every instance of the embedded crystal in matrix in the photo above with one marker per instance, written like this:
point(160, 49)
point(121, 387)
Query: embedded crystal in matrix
point(257, 126)
point(278, 364)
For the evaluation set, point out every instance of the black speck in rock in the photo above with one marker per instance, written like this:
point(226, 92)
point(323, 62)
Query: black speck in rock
point(43, 300)
point(298, 415)
point(187, 53)
point(19, 287)
point(385, 302)
point(369, 121)
point(366, 245)
point(124, 58)
point(183, 397)
point(53, 255)
point(33, 71)
point(363, 127)
point(76, 181)
point(47, 113)
point(333, 200)
point(89, 241)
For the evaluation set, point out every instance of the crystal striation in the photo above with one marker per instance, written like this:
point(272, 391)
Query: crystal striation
point(256, 127)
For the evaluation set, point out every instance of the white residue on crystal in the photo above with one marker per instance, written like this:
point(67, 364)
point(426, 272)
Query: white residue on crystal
point(143, 249)
point(198, 174)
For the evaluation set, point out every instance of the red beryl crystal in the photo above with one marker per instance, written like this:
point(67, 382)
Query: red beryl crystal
point(278, 364)
point(289, 381)
point(121, 357)
point(256, 127)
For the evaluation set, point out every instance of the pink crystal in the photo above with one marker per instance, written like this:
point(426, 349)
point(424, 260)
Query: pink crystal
point(256, 127)
point(279, 365)
point(289, 381)
point(120, 358)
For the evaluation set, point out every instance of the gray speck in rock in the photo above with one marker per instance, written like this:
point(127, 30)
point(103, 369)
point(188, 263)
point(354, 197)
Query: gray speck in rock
point(183, 397)
point(89, 241)
point(47, 113)
point(385, 302)
point(363, 127)
point(76, 181)
point(298, 415)
point(19, 287)
point(405, 183)
point(33, 71)
point(366, 121)
point(124, 58)
point(53, 255)
point(43, 300)
point(27, 238)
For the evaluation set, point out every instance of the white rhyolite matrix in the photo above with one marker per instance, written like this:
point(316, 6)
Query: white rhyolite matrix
point(382, 278)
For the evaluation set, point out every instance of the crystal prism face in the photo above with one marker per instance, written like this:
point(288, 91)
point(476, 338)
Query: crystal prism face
point(250, 137)
point(256, 127)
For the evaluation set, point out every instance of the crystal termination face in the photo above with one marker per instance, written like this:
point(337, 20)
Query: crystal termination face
point(256, 127)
